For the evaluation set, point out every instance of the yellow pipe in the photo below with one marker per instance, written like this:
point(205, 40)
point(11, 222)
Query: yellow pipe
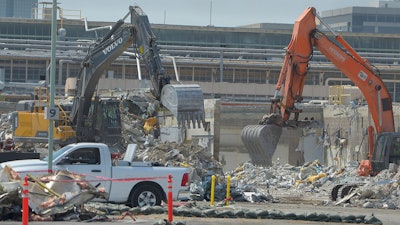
point(212, 190)
point(41, 184)
point(228, 190)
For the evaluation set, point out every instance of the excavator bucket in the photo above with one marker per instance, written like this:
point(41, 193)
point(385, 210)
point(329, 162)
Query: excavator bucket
point(185, 102)
point(261, 142)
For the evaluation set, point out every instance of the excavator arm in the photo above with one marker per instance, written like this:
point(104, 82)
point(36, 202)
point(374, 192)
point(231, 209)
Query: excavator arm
point(98, 59)
point(99, 120)
point(184, 101)
point(262, 139)
point(145, 44)
point(367, 80)
point(305, 37)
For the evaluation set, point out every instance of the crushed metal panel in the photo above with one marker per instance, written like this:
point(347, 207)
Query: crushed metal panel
point(10, 201)
point(59, 193)
point(8, 174)
point(79, 199)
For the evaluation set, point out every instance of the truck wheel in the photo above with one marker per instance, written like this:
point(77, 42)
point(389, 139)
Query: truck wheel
point(146, 195)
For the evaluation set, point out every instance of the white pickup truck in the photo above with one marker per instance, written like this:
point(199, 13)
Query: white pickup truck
point(134, 183)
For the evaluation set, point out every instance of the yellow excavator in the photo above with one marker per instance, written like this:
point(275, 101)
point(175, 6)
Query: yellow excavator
point(90, 118)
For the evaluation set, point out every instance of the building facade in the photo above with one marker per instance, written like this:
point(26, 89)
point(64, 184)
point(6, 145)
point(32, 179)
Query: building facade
point(18, 8)
point(238, 64)
point(383, 18)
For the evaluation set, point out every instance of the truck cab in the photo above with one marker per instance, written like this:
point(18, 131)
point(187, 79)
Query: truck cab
point(136, 184)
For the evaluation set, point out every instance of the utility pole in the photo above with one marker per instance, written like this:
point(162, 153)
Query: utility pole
point(210, 13)
point(51, 111)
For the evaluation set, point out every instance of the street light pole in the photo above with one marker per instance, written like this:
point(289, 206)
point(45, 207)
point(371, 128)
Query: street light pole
point(52, 82)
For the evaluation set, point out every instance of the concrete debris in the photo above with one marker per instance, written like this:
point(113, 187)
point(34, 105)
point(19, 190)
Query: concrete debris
point(311, 182)
point(10, 202)
point(316, 183)
point(51, 197)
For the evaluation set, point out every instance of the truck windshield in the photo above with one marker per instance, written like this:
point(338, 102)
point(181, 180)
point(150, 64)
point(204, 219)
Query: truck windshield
point(59, 152)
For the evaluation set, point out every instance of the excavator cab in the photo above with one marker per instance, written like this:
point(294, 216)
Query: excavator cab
point(394, 152)
point(386, 151)
point(103, 123)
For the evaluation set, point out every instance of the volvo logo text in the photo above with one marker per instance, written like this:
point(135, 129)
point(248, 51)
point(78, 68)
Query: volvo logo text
point(112, 46)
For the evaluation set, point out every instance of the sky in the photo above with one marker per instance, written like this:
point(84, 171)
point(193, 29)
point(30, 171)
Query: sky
point(219, 13)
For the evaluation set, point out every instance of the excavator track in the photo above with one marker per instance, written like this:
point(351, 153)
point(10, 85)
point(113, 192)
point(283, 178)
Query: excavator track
point(340, 191)
point(261, 142)
point(185, 102)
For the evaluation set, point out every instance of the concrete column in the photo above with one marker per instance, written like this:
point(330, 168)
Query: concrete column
point(193, 73)
point(26, 69)
point(233, 75)
point(11, 69)
point(267, 76)
point(217, 125)
point(221, 67)
point(321, 78)
point(247, 75)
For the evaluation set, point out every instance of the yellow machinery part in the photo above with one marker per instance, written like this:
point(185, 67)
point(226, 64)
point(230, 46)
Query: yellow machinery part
point(34, 125)
point(150, 124)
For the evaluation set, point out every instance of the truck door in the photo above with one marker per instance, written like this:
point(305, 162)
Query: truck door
point(87, 162)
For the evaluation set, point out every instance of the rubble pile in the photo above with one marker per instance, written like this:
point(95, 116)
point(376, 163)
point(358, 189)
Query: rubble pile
point(10, 202)
point(191, 155)
point(318, 184)
point(278, 183)
point(188, 155)
point(139, 128)
point(48, 198)
point(310, 182)
point(382, 191)
point(137, 110)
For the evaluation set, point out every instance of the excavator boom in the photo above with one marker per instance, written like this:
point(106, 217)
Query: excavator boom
point(292, 78)
point(184, 101)
point(95, 119)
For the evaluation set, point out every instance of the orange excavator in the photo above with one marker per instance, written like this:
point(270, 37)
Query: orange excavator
point(261, 140)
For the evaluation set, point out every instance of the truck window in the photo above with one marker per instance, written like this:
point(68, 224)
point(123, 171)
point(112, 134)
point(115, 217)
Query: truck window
point(85, 156)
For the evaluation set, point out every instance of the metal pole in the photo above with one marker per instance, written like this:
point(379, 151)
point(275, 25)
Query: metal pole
point(210, 13)
point(52, 80)
point(228, 190)
point(212, 190)
point(221, 67)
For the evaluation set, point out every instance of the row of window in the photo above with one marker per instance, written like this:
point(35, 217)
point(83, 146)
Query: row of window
point(40, 30)
point(386, 18)
point(35, 70)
